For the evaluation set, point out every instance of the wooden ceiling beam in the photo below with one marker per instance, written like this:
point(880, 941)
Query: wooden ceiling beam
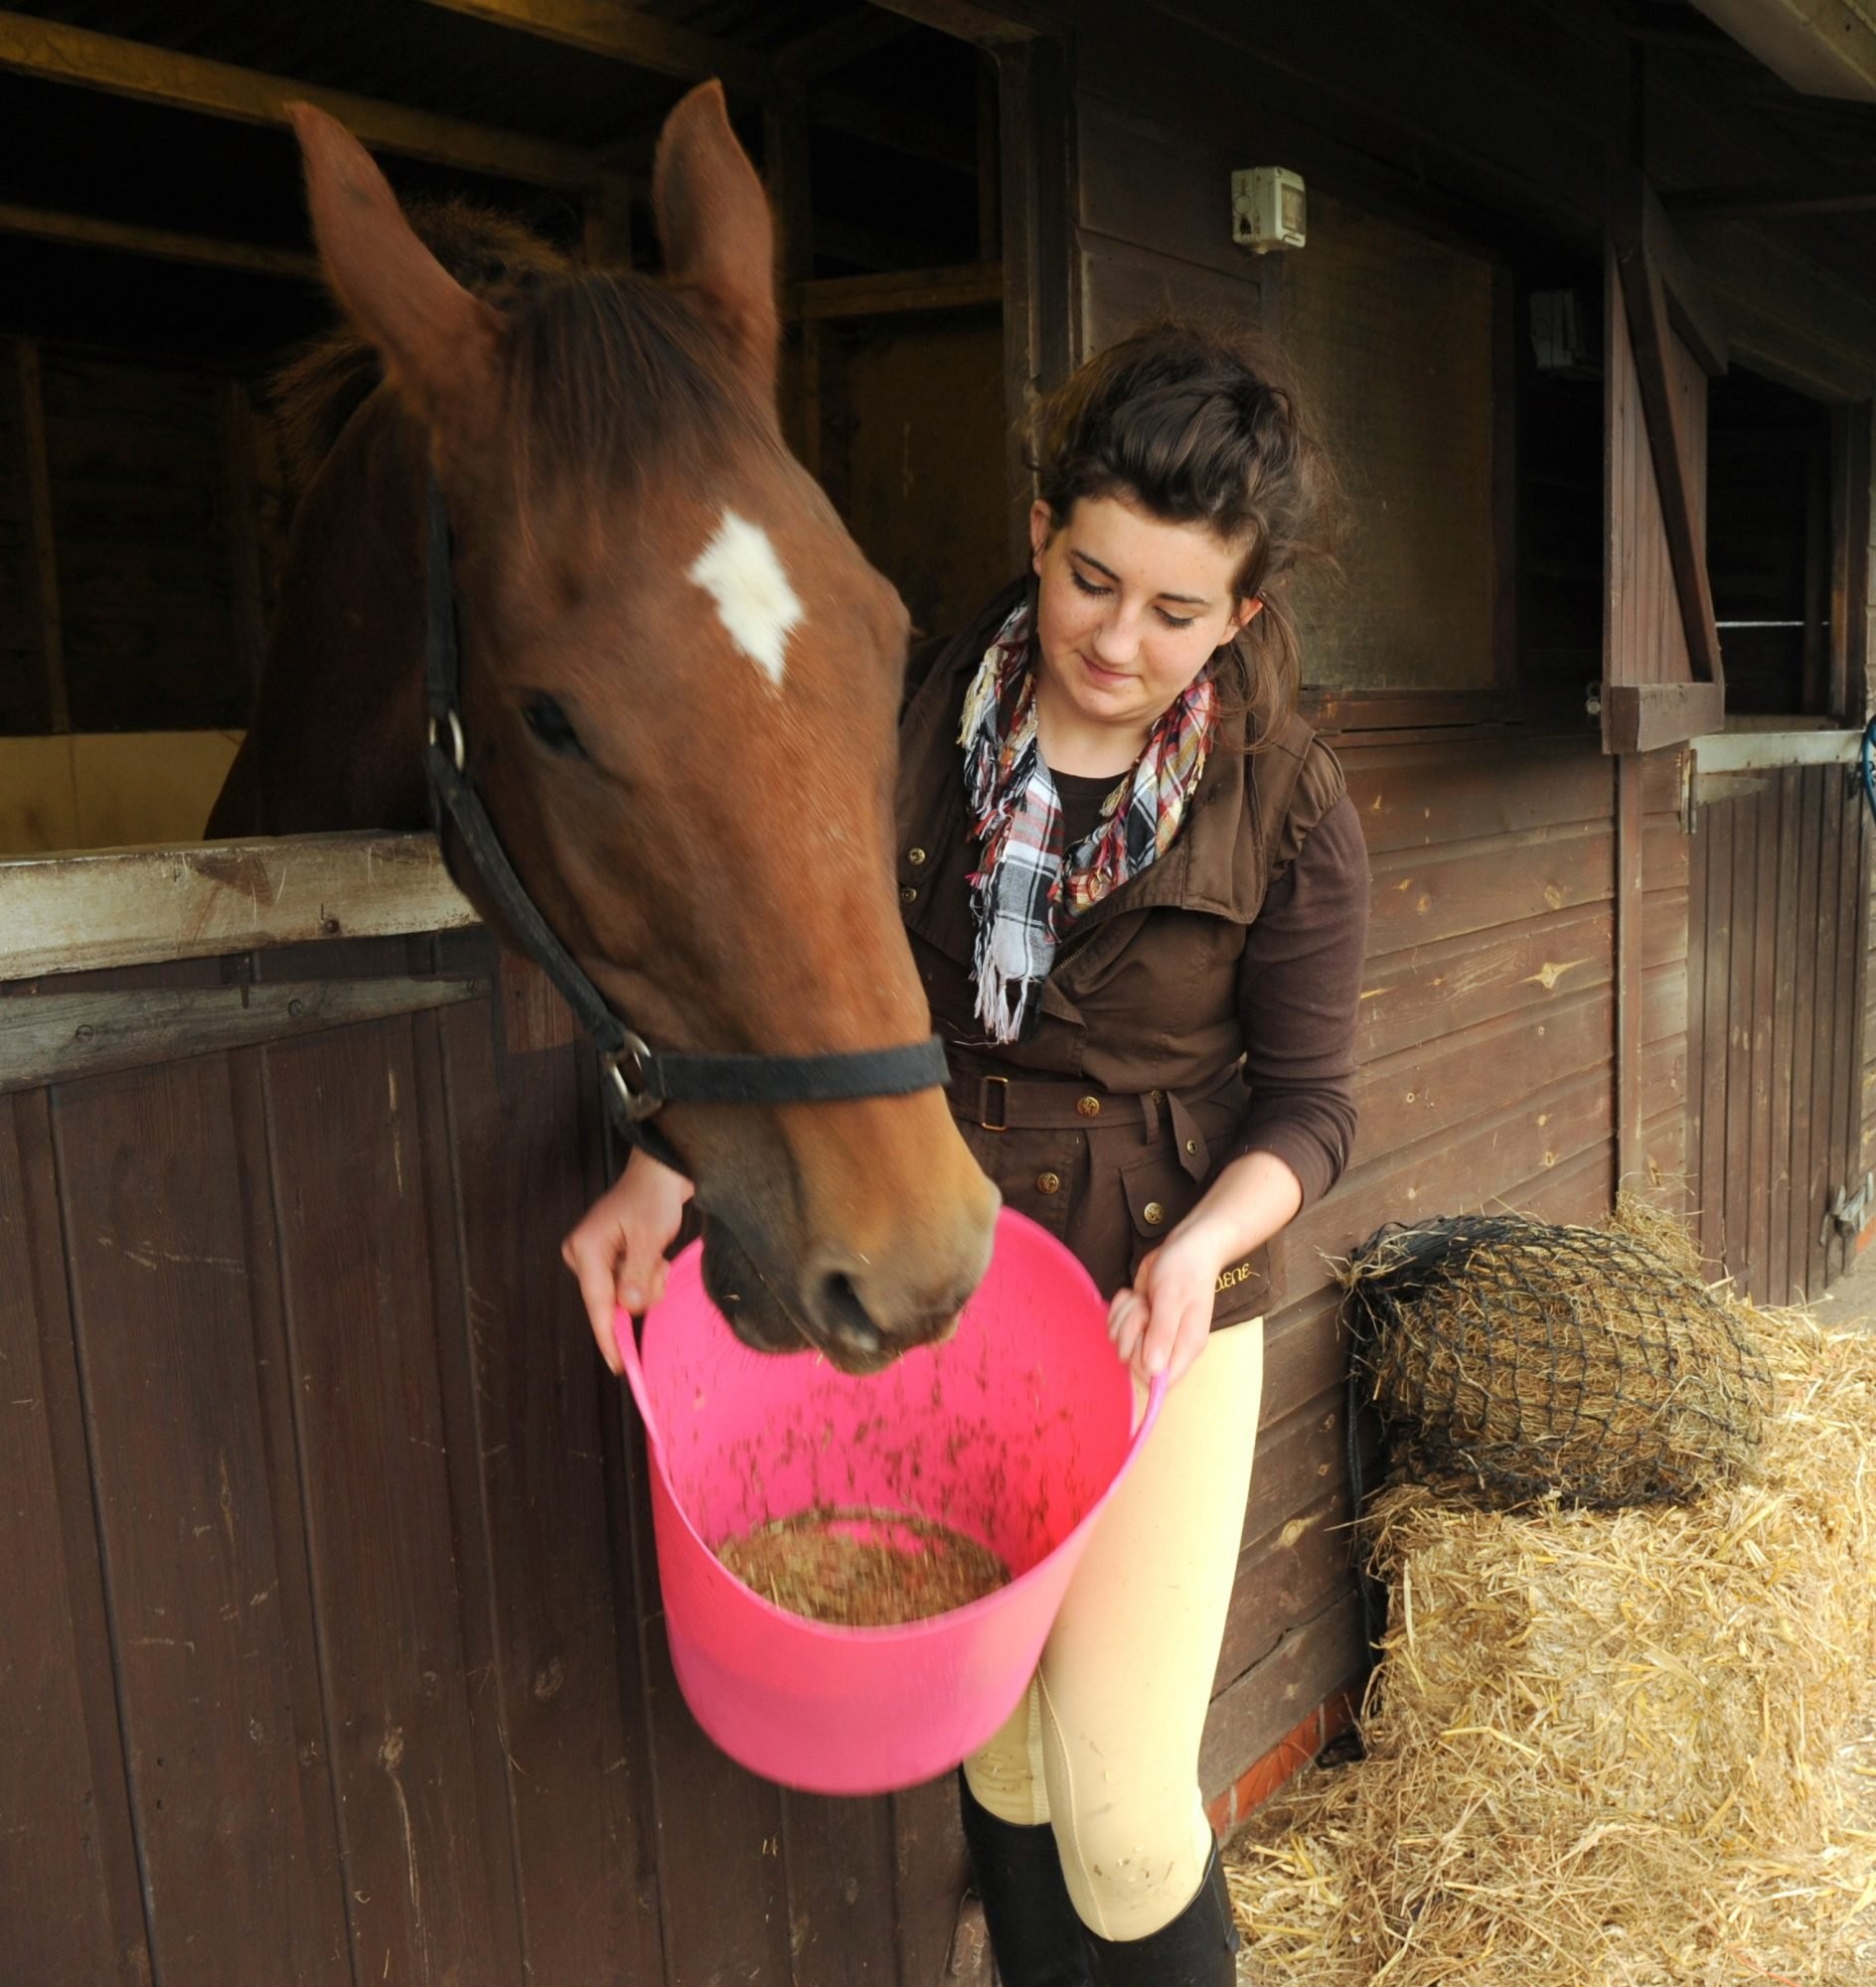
point(838, 42)
point(86, 231)
point(604, 28)
point(56, 53)
point(896, 127)
point(607, 28)
point(1821, 198)
point(1823, 48)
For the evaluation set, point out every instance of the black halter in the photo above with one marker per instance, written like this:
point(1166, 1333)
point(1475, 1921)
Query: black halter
point(639, 1080)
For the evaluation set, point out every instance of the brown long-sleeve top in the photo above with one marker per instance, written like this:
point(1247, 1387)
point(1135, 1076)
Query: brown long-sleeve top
point(1206, 1009)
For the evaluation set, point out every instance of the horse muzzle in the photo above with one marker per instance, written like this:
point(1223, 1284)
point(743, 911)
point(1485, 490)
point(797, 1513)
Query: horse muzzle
point(858, 1323)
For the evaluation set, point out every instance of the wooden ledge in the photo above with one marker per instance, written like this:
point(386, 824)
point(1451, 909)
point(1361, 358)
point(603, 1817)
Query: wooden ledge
point(145, 906)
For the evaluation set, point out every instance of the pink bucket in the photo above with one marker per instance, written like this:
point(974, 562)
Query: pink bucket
point(1014, 1432)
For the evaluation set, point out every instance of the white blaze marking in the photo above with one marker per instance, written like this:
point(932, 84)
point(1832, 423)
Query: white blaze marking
point(739, 569)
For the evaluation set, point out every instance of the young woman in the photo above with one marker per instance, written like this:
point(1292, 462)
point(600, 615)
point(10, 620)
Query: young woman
point(1136, 892)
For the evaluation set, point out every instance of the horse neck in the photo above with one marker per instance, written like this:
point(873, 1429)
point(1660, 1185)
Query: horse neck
point(337, 740)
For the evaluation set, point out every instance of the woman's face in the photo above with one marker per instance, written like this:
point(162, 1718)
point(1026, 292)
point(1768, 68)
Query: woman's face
point(1129, 611)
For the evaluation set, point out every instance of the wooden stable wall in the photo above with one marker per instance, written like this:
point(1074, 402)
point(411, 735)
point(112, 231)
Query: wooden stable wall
point(1504, 1022)
point(332, 1644)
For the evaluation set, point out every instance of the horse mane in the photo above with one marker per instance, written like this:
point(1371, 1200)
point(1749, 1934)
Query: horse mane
point(604, 367)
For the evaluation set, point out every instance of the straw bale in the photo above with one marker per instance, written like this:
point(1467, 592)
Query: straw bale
point(1604, 1747)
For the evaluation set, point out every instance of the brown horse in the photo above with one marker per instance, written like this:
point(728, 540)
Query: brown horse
point(680, 689)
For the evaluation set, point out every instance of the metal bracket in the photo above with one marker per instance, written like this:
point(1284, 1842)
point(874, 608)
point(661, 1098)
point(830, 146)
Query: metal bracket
point(1848, 1210)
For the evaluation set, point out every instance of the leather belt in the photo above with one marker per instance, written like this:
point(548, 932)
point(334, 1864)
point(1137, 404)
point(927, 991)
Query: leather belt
point(1058, 1104)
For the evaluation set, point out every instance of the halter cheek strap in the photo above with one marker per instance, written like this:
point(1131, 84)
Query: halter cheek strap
point(639, 1081)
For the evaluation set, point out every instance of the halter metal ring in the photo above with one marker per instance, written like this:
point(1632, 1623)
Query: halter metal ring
point(635, 1054)
point(458, 751)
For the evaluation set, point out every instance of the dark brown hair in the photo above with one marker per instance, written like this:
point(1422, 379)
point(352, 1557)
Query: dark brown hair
point(1201, 426)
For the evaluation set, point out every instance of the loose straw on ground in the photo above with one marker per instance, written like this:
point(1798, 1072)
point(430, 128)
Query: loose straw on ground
point(1609, 1749)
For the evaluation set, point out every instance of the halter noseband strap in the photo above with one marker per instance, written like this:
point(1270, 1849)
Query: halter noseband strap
point(639, 1080)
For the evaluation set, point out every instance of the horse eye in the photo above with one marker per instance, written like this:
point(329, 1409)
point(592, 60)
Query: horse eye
point(550, 724)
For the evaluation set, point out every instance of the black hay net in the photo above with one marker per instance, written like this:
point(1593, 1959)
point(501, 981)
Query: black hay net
point(1522, 1360)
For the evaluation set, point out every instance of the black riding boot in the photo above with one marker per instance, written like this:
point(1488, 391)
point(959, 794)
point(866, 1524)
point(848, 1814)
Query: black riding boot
point(1197, 1949)
point(1034, 1932)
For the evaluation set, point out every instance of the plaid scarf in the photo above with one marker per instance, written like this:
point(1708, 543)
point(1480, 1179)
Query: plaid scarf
point(1028, 888)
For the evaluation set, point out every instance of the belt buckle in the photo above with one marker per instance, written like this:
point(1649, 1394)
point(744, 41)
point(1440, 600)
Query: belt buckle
point(983, 1105)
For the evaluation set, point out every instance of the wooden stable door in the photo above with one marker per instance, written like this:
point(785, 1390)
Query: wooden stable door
point(1778, 884)
point(1732, 503)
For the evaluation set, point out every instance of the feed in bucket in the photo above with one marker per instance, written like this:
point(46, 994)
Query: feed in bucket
point(861, 1567)
point(1013, 1434)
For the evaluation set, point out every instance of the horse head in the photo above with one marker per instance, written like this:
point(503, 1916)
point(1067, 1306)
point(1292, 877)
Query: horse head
point(680, 694)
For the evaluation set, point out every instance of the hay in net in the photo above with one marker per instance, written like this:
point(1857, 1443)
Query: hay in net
point(1630, 1748)
point(1529, 1359)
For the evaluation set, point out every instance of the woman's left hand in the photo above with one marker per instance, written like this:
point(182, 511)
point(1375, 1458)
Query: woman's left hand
point(1160, 1323)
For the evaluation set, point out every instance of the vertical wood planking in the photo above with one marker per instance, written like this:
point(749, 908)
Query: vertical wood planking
point(1765, 1075)
point(1845, 1075)
point(1803, 1002)
point(69, 1880)
point(1698, 864)
point(1785, 947)
point(527, 1398)
point(1629, 884)
point(234, 1827)
point(1823, 1038)
point(1716, 946)
point(1740, 959)
point(930, 1869)
point(429, 1889)
point(839, 1858)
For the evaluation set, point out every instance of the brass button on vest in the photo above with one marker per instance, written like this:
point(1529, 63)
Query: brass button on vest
point(917, 857)
point(1049, 1182)
point(908, 895)
point(1089, 1106)
point(1152, 1214)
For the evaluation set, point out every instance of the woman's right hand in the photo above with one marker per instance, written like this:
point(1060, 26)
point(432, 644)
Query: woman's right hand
point(618, 1250)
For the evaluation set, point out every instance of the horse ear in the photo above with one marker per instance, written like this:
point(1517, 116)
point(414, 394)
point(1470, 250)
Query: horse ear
point(439, 345)
point(719, 239)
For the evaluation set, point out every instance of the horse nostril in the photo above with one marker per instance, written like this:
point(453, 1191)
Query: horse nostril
point(846, 1318)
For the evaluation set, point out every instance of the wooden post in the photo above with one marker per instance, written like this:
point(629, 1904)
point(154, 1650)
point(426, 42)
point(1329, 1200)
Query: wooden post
point(990, 219)
point(240, 502)
point(606, 229)
point(43, 562)
point(1630, 825)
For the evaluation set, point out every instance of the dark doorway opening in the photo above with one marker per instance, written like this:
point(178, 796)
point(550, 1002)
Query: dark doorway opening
point(1769, 544)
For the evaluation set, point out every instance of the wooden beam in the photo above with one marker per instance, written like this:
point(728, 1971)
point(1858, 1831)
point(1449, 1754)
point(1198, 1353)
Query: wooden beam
point(1822, 48)
point(86, 230)
point(897, 127)
point(990, 27)
point(838, 42)
point(969, 286)
point(1818, 197)
point(613, 29)
point(150, 74)
point(1636, 231)
point(43, 554)
point(143, 906)
point(1641, 717)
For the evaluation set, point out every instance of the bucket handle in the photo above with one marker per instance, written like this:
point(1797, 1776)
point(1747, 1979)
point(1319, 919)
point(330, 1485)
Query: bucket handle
point(625, 1336)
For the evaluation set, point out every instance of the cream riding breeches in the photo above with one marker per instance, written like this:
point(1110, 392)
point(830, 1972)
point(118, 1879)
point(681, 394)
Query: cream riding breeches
point(1105, 1745)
